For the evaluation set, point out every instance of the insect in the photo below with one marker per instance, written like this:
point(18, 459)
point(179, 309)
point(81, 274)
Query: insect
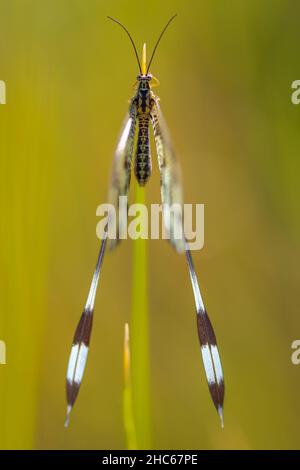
point(144, 110)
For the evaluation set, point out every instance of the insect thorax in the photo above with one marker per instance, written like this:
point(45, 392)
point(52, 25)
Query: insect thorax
point(144, 97)
point(144, 101)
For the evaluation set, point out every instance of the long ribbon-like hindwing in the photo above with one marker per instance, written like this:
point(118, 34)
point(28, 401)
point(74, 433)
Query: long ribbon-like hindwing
point(120, 182)
point(171, 193)
point(81, 341)
point(208, 343)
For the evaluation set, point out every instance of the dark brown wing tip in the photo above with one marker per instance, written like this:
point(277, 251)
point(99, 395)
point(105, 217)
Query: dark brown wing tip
point(84, 328)
point(205, 329)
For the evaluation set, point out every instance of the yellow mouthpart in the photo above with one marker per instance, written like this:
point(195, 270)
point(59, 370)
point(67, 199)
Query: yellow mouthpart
point(144, 60)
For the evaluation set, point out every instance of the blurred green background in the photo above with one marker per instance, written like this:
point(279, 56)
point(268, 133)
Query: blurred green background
point(226, 70)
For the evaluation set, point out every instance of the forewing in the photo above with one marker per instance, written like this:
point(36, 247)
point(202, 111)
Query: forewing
point(121, 171)
point(170, 180)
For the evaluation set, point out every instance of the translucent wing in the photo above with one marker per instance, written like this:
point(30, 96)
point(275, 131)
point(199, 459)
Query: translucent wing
point(170, 180)
point(121, 170)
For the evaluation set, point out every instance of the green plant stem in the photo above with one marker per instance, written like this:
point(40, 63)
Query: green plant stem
point(128, 415)
point(140, 339)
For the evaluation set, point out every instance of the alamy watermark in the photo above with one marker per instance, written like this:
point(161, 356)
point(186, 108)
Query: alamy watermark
point(295, 97)
point(2, 343)
point(177, 222)
point(2, 92)
point(2, 352)
point(295, 357)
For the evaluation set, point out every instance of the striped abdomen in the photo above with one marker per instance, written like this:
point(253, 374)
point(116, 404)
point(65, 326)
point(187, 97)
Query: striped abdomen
point(143, 165)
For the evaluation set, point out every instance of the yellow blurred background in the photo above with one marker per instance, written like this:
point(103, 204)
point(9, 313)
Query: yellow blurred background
point(225, 70)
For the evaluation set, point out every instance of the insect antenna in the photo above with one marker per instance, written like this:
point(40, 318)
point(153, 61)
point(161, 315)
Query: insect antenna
point(132, 42)
point(158, 41)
